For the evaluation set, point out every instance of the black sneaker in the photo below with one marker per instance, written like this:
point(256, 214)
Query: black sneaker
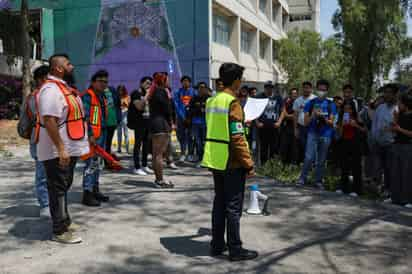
point(243, 255)
point(99, 196)
point(161, 184)
point(89, 199)
point(217, 252)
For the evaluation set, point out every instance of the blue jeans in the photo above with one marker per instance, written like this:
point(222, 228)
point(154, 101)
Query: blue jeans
point(123, 130)
point(91, 171)
point(40, 181)
point(316, 151)
point(184, 138)
point(199, 134)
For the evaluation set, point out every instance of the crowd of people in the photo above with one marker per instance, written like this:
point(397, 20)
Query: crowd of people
point(370, 141)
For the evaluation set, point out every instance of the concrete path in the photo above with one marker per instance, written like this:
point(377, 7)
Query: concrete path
point(146, 230)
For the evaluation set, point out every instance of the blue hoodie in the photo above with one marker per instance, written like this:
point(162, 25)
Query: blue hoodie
point(181, 99)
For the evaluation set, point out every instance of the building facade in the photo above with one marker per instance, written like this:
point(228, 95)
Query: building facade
point(304, 15)
point(135, 38)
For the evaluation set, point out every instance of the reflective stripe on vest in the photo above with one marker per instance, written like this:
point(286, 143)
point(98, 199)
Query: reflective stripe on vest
point(75, 124)
point(216, 153)
point(95, 115)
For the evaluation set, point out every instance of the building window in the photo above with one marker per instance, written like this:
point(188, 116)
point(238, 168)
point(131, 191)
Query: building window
point(300, 17)
point(221, 30)
point(246, 41)
point(275, 10)
point(274, 51)
point(262, 48)
point(262, 5)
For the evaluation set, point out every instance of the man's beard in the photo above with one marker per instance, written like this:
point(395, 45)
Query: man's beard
point(69, 79)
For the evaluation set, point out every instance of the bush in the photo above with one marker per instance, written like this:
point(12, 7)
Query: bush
point(289, 174)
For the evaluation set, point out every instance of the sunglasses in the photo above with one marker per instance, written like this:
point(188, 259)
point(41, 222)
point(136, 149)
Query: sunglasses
point(103, 81)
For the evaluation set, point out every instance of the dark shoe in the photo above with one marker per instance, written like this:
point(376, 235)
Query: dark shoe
point(217, 252)
point(89, 199)
point(243, 255)
point(99, 196)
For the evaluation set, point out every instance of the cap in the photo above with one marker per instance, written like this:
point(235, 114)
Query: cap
point(269, 84)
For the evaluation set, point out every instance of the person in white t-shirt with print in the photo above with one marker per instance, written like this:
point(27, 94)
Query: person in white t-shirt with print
point(298, 107)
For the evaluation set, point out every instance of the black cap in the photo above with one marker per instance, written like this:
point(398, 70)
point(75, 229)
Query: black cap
point(269, 84)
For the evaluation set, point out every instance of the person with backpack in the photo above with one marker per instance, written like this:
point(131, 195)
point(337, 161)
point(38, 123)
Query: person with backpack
point(319, 118)
point(29, 115)
point(62, 139)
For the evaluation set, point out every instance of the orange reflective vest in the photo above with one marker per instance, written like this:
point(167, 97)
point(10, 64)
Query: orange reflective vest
point(95, 119)
point(75, 122)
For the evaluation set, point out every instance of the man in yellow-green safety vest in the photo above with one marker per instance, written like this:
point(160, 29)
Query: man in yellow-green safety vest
point(227, 156)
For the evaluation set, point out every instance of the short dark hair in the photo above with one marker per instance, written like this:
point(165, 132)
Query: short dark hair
point(292, 89)
point(348, 86)
point(218, 80)
point(100, 74)
point(307, 83)
point(185, 77)
point(230, 72)
point(394, 88)
point(201, 83)
point(145, 78)
point(322, 82)
point(406, 99)
point(56, 55)
point(41, 72)
point(338, 98)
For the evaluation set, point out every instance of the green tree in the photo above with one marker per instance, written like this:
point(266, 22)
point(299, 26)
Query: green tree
point(305, 57)
point(373, 34)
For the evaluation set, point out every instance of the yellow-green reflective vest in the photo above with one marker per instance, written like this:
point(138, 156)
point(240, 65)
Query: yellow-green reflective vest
point(216, 152)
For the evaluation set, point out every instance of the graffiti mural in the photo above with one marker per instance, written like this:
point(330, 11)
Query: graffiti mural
point(134, 39)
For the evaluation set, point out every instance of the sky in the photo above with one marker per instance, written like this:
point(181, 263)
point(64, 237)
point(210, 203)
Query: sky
point(327, 9)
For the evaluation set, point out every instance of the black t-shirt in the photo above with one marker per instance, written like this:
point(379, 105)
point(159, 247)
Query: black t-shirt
point(137, 118)
point(405, 122)
point(161, 106)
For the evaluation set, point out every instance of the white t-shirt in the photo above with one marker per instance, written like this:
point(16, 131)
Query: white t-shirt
point(298, 107)
point(53, 103)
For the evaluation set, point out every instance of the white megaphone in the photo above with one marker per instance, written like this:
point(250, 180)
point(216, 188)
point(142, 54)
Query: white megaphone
point(255, 196)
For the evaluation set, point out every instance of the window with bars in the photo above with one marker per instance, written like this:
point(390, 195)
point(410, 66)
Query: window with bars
point(262, 5)
point(246, 41)
point(262, 48)
point(221, 30)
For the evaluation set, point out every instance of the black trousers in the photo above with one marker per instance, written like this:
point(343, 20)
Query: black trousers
point(227, 209)
point(351, 161)
point(59, 181)
point(288, 148)
point(109, 138)
point(400, 164)
point(269, 143)
point(141, 141)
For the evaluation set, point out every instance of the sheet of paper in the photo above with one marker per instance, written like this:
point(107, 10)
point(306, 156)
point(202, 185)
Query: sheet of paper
point(254, 108)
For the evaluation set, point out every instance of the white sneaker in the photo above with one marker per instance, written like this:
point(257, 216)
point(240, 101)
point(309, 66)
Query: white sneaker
point(182, 158)
point(339, 191)
point(139, 172)
point(408, 205)
point(387, 201)
point(172, 166)
point(353, 194)
point(45, 212)
point(147, 170)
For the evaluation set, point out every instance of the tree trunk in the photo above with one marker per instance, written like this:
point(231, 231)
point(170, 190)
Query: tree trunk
point(26, 89)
